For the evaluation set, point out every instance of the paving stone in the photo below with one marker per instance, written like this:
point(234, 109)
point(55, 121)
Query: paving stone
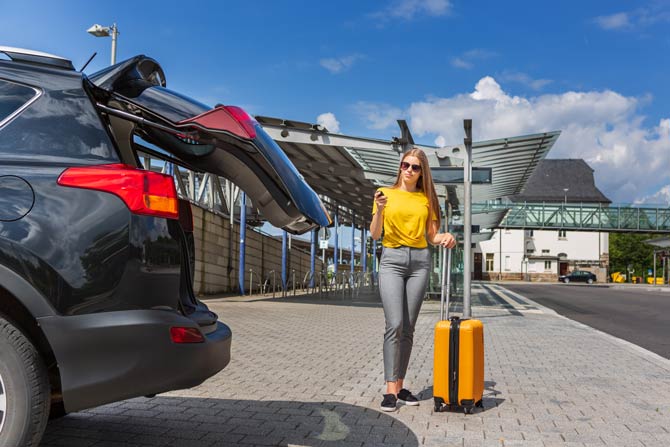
point(306, 370)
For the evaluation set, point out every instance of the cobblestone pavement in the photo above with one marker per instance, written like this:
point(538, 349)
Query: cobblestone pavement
point(308, 372)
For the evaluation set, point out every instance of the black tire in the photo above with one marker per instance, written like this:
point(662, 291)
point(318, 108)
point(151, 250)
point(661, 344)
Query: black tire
point(24, 389)
point(589, 281)
point(566, 280)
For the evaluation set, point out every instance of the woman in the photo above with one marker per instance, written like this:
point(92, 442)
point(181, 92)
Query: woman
point(409, 213)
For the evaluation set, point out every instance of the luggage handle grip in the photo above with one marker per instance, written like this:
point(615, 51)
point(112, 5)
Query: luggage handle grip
point(445, 284)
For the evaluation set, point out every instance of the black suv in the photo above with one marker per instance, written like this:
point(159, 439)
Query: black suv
point(96, 296)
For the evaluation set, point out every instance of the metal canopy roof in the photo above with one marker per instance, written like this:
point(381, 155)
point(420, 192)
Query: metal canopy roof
point(346, 170)
point(661, 242)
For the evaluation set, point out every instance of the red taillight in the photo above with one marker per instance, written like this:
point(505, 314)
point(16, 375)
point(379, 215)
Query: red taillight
point(186, 335)
point(243, 118)
point(144, 192)
point(229, 118)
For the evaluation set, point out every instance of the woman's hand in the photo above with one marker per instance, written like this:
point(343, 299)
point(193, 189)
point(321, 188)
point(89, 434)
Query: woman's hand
point(380, 200)
point(446, 240)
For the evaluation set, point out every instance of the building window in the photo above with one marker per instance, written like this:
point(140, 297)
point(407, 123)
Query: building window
point(562, 234)
point(529, 233)
point(547, 265)
point(545, 251)
point(489, 262)
point(507, 262)
point(530, 251)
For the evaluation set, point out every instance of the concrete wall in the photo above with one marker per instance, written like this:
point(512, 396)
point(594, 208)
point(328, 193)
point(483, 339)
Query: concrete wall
point(217, 272)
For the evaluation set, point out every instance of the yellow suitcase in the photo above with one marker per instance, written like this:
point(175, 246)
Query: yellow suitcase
point(458, 374)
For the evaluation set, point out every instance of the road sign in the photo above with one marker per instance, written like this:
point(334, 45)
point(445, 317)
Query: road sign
point(323, 244)
point(456, 175)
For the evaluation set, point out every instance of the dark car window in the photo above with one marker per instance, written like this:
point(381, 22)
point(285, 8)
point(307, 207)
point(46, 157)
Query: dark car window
point(58, 125)
point(12, 98)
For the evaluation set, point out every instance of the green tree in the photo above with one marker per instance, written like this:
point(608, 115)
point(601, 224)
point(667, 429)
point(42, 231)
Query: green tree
point(630, 249)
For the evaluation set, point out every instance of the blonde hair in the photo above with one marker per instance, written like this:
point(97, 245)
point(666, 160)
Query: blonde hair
point(425, 182)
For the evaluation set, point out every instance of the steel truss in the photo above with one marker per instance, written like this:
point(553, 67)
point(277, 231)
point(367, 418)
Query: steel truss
point(581, 217)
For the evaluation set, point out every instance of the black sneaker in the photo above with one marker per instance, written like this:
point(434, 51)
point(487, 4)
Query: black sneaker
point(389, 402)
point(407, 397)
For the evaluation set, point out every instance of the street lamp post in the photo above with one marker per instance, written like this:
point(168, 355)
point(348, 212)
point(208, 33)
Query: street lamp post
point(106, 31)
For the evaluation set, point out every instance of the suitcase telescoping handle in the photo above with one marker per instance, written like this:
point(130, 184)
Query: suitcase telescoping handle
point(445, 284)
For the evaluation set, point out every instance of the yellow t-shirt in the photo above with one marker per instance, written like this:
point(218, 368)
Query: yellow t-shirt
point(405, 216)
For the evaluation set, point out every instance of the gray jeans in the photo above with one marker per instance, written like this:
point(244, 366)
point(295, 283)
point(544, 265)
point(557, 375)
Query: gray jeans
point(403, 277)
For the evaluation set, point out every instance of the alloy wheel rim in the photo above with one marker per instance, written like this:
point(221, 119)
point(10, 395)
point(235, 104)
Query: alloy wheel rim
point(3, 404)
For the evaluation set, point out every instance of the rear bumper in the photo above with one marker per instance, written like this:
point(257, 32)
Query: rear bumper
point(107, 357)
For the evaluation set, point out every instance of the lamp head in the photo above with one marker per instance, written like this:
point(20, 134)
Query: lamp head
point(98, 30)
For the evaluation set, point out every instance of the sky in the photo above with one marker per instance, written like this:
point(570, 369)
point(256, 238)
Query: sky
point(596, 70)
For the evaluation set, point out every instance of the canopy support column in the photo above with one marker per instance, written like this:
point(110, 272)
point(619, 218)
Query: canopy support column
point(312, 259)
point(284, 259)
point(337, 233)
point(243, 235)
point(353, 242)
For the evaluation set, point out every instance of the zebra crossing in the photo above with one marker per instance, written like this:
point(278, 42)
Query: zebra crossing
point(492, 296)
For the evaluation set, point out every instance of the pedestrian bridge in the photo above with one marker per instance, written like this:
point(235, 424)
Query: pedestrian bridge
point(580, 217)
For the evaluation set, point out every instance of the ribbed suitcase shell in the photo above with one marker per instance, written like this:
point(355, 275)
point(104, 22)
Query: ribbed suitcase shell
point(465, 388)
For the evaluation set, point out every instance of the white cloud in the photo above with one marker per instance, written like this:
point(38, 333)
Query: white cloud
point(409, 9)
point(467, 60)
point(329, 121)
point(661, 197)
point(615, 21)
point(461, 63)
point(523, 78)
point(605, 128)
point(378, 116)
point(338, 65)
point(653, 13)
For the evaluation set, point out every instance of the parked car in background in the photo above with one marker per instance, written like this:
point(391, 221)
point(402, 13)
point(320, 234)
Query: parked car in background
point(578, 276)
point(96, 296)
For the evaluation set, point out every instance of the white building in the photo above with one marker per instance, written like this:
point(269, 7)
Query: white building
point(543, 255)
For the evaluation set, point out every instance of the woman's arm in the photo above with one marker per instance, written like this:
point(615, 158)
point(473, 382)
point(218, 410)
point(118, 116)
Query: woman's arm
point(378, 217)
point(435, 238)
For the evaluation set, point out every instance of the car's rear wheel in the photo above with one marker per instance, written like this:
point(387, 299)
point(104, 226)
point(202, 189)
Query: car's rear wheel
point(566, 280)
point(589, 281)
point(24, 389)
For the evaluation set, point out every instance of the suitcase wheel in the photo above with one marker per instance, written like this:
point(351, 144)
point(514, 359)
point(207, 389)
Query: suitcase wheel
point(467, 410)
point(439, 402)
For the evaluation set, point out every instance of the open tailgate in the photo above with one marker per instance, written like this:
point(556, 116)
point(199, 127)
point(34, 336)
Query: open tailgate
point(223, 140)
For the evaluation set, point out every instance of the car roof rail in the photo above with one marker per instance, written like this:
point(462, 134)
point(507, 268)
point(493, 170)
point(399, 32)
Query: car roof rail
point(37, 57)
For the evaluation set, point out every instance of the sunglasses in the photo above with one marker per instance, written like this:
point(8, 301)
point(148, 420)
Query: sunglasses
point(405, 166)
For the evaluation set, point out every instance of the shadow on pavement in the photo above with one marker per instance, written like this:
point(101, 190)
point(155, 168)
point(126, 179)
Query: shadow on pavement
point(166, 420)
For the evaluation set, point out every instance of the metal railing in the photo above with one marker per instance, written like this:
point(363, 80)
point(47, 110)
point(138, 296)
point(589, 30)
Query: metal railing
point(344, 284)
point(270, 281)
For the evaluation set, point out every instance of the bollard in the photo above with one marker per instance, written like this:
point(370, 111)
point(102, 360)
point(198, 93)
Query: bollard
point(251, 281)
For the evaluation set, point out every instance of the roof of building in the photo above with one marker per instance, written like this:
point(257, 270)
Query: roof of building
point(556, 180)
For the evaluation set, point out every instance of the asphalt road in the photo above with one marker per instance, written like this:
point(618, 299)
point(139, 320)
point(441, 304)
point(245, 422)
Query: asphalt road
point(634, 314)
